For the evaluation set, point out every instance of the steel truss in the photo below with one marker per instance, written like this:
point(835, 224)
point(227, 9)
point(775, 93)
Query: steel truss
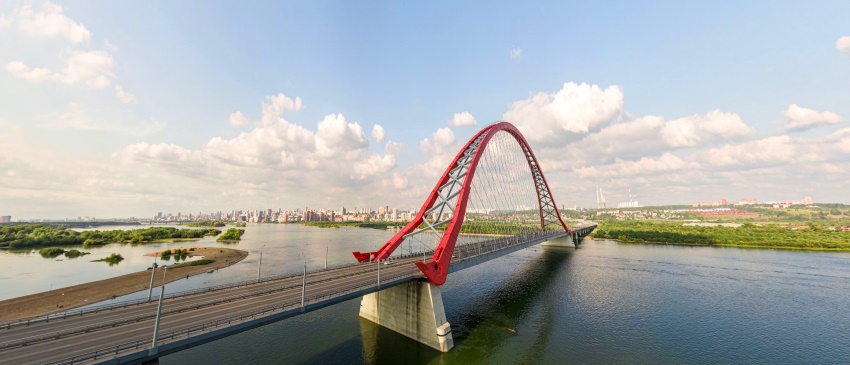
point(454, 187)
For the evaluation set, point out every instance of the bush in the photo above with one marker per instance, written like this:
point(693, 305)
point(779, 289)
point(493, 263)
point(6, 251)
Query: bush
point(232, 234)
point(51, 252)
point(112, 259)
point(74, 253)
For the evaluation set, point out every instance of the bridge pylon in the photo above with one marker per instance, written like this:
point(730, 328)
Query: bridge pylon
point(414, 309)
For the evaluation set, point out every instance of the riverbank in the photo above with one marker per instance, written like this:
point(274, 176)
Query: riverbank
point(62, 299)
point(754, 247)
point(748, 235)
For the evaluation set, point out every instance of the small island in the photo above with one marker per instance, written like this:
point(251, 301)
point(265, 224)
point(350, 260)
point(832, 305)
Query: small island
point(40, 235)
point(53, 252)
point(112, 259)
point(232, 235)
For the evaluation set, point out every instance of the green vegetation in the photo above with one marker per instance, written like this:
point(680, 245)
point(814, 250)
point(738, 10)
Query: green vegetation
point(375, 225)
point(241, 224)
point(204, 224)
point(112, 259)
point(179, 254)
point(232, 234)
point(74, 253)
point(193, 263)
point(74, 224)
point(40, 235)
point(51, 252)
point(747, 235)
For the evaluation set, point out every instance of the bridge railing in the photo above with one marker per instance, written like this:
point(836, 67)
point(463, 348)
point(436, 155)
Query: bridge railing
point(166, 311)
point(105, 307)
point(114, 351)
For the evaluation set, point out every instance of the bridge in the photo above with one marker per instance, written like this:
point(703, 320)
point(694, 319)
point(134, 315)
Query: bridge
point(491, 200)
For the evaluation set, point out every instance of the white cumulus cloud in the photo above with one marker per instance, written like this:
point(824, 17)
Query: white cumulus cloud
point(21, 70)
point(843, 45)
point(800, 119)
point(278, 156)
point(93, 68)
point(463, 119)
point(237, 119)
point(697, 130)
point(768, 150)
point(50, 22)
point(274, 106)
point(123, 95)
point(378, 133)
point(335, 134)
point(443, 139)
point(557, 118)
point(644, 166)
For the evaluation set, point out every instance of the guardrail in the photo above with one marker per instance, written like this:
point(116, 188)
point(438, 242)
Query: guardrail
point(127, 303)
point(140, 343)
point(180, 309)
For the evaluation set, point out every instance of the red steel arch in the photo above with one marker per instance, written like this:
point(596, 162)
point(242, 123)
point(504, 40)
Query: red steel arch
point(437, 269)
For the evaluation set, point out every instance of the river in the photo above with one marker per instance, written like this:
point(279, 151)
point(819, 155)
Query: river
point(606, 302)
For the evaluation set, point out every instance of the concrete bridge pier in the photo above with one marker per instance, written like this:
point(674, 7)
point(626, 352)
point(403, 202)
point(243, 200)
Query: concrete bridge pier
point(560, 242)
point(414, 309)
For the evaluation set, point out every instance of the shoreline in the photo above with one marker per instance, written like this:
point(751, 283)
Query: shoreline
point(784, 248)
point(62, 299)
point(81, 247)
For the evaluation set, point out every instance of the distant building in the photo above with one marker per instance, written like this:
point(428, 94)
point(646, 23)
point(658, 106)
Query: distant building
point(5, 218)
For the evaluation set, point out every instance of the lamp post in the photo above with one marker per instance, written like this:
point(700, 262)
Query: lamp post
point(153, 273)
point(326, 255)
point(154, 349)
point(304, 283)
point(260, 266)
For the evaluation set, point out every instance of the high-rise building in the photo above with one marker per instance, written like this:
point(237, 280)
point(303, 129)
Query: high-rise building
point(5, 218)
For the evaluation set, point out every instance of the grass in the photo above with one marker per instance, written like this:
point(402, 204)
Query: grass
point(193, 263)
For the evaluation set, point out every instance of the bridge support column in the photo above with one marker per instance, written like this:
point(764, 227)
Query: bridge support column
point(560, 242)
point(414, 309)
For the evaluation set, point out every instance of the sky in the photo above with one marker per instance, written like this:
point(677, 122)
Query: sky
point(117, 109)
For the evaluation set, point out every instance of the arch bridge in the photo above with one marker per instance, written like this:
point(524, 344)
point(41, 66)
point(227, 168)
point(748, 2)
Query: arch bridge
point(491, 200)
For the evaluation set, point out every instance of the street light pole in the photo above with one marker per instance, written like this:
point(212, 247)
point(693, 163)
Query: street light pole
point(326, 256)
point(154, 349)
point(153, 273)
point(304, 284)
point(260, 266)
point(379, 272)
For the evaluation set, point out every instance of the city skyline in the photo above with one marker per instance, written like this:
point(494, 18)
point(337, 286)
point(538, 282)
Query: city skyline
point(325, 104)
point(382, 212)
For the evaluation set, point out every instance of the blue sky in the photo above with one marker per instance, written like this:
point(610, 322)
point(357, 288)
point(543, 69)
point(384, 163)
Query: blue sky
point(731, 100)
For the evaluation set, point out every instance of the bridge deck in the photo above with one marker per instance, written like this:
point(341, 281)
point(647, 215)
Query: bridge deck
point(124, 332)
